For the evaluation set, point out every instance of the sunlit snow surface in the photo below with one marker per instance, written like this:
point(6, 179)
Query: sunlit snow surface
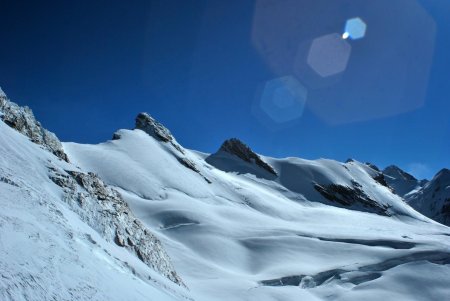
point(246, 237)
point(47, 252)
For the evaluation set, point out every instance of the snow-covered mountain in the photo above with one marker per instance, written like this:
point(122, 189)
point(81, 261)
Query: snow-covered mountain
point(236, 225)
point(401, 181)
point(433, 199)
point(64, 233)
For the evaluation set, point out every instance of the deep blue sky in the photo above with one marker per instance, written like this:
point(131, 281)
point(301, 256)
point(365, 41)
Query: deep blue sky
point(86, 68)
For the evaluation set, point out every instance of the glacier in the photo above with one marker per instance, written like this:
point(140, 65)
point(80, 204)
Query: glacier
point(140, 217)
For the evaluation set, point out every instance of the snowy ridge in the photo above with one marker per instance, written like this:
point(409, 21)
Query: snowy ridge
point(311, 230)
point(82, 232)
point(252, 235)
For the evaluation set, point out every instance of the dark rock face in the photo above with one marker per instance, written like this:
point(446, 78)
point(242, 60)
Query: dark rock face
point(148, 124)
point(239, 149)
point(350, 196)
point(104, 209)
point(116, 136)
point(23, 120)
point(152, 127)
point(158, 131)
point(381, 179)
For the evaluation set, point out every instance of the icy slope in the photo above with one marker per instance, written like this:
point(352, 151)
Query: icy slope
point(433, 199)
point(57, 240)
point(238, 232)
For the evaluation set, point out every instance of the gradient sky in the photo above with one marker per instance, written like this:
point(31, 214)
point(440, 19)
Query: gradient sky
point(86, 68)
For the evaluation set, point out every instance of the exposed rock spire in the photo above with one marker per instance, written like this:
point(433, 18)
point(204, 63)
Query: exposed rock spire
point(236, 147)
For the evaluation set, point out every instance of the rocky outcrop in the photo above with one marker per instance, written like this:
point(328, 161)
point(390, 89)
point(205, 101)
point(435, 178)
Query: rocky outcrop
point(23, 120)
point(158, 131)
point(152, 127)
point(148, 124)
point(348, 196)
point(104, 209)
point(241, 150)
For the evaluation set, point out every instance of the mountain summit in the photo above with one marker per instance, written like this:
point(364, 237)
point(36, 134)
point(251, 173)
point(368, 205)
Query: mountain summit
point(236, 156)
point(401, 181)
point(239, 149)
point(152, 127)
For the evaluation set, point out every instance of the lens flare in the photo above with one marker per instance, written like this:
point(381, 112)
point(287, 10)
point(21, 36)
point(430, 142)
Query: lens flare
point(355, 29)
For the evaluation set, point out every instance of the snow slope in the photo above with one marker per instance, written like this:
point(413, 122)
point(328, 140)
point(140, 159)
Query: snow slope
point(318, 230)
point(47, 251)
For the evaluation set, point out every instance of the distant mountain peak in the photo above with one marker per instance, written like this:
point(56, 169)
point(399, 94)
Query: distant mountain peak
point(392, 170)
point(443, 174)
point(241, 150)
point(2, 94)
point(151, 126)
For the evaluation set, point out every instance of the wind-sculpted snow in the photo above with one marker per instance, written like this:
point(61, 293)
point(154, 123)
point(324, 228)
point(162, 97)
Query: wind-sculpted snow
point(58, 243)
point(105, 211)
point(23, 120)
point(254, 235)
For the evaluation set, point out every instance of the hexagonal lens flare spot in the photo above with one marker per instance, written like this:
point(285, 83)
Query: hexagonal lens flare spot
point(329, 55)
point(283, 99)
point(355, 29)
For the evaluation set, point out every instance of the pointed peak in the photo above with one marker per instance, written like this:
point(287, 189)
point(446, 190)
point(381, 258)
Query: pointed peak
point(151, 126)
point(233, 144)
point(443, 174)
point(2, 94)
point(241, 150)
point(395, 171)
point(392, 167)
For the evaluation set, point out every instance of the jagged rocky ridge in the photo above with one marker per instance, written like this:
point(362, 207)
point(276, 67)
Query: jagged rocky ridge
point(100, 206)
point(148, 124)
point(350, 196)
point(22, 119)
